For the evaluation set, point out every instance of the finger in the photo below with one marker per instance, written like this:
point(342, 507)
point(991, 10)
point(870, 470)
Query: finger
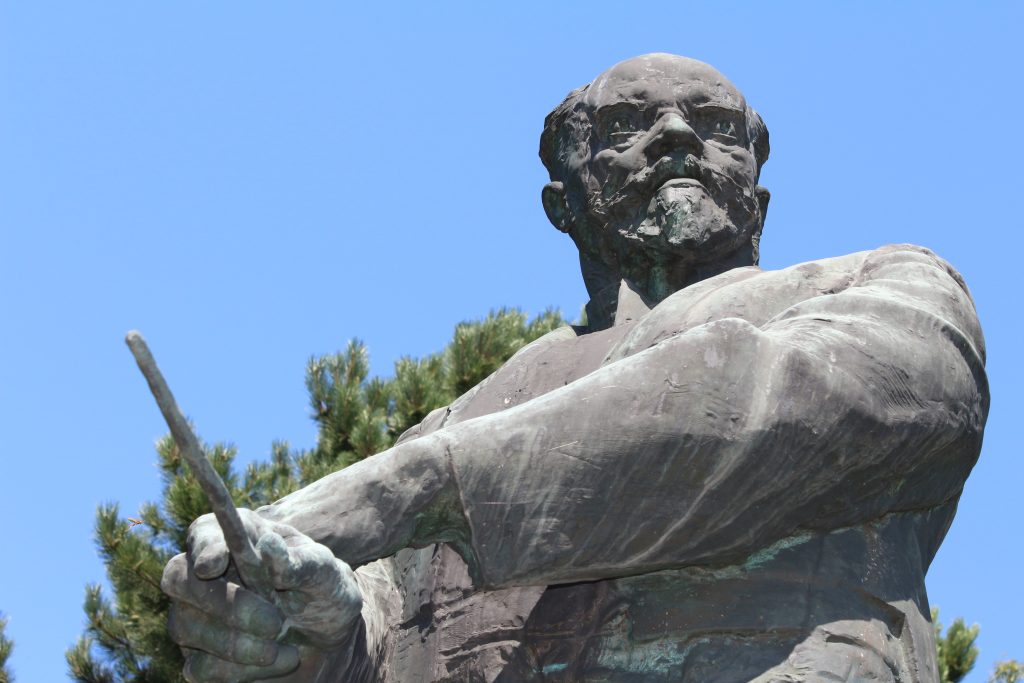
point(206, 545)
point(174, 581)
point(190, 627)
point(302, 567)
point(325, 614)
point(316, 590)
point(201, 667)
point(290, 534)
point(232, 604)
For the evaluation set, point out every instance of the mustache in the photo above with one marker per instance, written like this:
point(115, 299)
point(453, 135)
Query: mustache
point(644, 183)
point(640, 187)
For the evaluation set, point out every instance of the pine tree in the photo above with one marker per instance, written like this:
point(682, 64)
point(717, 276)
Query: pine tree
point(6, 645)
point(125, 637)
point(957, 652)
point(1010, 671)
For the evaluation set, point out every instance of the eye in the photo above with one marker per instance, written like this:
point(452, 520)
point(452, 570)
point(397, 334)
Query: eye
point(726, 129)
point(622, 125)
point(621, 129)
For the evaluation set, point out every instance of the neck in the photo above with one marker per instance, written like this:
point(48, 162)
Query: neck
point(650, 281)
point(616, 304)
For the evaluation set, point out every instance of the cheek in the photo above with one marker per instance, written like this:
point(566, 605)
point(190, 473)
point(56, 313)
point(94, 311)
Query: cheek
point(581, 184)
point(736, 163)
point(610, 167)
point(601, 165)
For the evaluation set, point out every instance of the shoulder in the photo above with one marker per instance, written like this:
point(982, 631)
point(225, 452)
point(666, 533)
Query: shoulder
point(749, 294)
point(908, 276)
point(920, 280)
point(907, 260)
point(907, 270)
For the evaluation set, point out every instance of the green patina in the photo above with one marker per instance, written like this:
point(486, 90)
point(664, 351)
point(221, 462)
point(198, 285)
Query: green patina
point(443, 521)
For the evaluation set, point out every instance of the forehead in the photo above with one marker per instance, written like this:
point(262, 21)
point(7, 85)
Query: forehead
point(660, 80)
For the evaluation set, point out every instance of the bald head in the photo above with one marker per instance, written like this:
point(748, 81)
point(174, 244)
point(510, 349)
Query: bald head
point(654, 168)
point(643, 80)
point(658, 75)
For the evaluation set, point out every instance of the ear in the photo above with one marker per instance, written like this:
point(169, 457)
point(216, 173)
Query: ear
point(763, 196)
point(555, 206)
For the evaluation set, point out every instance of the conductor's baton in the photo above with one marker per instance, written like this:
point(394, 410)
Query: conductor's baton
point(250, 569)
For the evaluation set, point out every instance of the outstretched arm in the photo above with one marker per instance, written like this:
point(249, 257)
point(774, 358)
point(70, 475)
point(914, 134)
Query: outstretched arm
point(700, 448)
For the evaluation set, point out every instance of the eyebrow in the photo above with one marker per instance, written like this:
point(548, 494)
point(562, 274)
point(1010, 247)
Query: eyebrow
point(623, 104)
point(718, 105)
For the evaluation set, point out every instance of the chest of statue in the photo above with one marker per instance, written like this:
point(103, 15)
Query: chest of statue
point(568, 354)
point(726, 624)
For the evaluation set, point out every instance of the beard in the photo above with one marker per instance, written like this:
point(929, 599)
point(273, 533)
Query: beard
point(682, 224)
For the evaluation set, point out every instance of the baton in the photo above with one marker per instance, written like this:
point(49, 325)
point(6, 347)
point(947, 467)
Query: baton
point(250, 569)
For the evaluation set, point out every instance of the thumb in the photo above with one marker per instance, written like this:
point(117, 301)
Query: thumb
point(206, 547)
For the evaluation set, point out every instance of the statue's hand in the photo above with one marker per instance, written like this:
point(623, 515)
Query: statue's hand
point(233, 634)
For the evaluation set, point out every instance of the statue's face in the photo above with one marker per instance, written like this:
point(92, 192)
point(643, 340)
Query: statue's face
point(669, 167)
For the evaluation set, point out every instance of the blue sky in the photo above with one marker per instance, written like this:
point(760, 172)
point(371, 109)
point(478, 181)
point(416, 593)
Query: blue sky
point(253, 183)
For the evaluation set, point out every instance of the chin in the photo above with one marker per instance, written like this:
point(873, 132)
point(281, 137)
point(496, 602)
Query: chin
point(686, 224)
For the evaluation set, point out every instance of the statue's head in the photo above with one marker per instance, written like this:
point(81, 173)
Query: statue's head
point(654, 168)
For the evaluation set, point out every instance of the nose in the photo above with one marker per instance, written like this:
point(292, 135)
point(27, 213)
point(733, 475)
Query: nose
point(670, 133)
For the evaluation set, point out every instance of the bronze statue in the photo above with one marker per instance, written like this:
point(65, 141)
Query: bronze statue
point(729, 475)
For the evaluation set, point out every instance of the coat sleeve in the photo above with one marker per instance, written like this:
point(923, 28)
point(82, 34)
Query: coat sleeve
point(722, 439)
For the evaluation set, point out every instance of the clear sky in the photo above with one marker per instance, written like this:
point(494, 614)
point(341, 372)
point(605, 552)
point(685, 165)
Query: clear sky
point(251, 183)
